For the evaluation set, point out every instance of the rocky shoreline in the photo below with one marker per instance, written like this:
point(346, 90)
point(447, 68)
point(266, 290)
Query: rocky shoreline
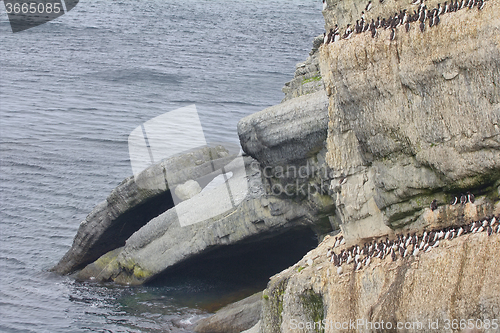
point(370, 132)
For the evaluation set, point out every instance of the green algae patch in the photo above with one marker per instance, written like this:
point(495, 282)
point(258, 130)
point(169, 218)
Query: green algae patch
point(314, 307)
point(312, 79)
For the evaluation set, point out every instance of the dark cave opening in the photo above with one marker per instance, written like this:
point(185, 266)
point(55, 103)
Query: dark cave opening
point(229, 273)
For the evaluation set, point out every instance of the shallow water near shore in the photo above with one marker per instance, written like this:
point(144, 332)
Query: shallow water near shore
point(73, 89)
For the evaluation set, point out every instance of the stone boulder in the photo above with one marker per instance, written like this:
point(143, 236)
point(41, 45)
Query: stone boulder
point(290, 132)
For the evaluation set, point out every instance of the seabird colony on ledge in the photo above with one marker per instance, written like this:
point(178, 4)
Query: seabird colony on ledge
point(403, 18)
point(404, 245)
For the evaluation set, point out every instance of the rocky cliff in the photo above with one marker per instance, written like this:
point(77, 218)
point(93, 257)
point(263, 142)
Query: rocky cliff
point(456, 281)
point(413, 117)
point(371, 131)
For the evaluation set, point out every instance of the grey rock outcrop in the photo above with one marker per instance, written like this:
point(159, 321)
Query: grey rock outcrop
point(163, 242)
point(133, 203)
point(413, 119)
point(234, 318)
point(188, 190)
point(287, 133)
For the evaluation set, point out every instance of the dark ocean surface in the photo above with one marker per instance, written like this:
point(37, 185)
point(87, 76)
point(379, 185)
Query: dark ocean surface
point(73, 89)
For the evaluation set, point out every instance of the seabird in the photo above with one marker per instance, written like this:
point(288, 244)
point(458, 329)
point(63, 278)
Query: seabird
point(481, 4)
point(490, 231)
point(343, 179)
point(415, 2)
point(393, 34)
point(434, 205)
point(445, 9)
point(460, 231)
point(368, 6)
point(348, 33)
point(463, 199)
point(324, 4)
point(342, 241)
point(454, 201)
point(470, 197)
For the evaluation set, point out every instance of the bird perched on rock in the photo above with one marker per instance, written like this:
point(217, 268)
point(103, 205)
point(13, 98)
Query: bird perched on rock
point(463, 199)
point(368, 6)
point(434, 205)
point(470, 197)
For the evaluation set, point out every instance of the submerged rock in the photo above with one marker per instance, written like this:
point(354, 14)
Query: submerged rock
point(234, 318)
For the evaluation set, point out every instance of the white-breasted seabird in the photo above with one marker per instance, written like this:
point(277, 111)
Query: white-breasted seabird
point(470, 197)
point(393, 34)
point(368, 6)
point(324, 4)
point(463, 199)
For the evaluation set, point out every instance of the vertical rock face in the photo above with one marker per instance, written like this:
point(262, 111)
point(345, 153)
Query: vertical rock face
point(412, 119)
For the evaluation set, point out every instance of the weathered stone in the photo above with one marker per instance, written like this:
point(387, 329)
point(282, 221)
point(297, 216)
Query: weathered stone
point(163, 242)
point(187, 190)
point(286, 133)
point(134, 203)
point(234, 318)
